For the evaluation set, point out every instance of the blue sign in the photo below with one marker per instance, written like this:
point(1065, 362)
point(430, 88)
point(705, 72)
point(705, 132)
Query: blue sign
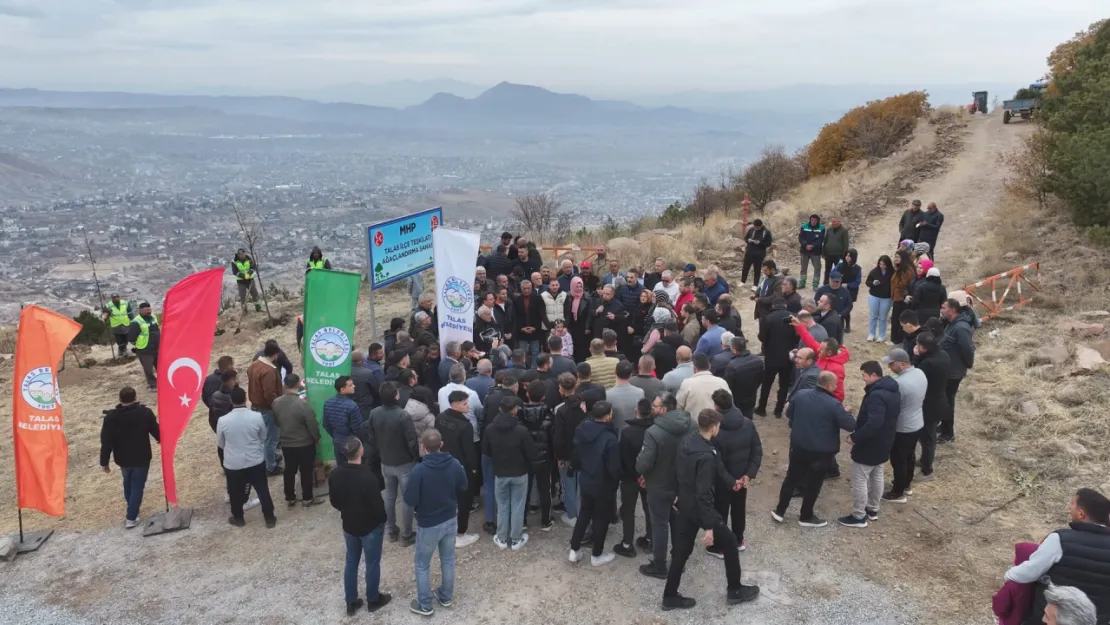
point(401, 247)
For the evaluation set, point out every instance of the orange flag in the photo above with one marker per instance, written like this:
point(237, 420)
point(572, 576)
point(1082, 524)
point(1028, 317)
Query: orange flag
point(41, 452)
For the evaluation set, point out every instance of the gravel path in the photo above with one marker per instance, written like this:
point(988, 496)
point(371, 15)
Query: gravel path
point(213, 573)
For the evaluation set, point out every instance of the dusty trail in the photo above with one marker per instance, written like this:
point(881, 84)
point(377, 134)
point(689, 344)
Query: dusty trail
point(216, 574)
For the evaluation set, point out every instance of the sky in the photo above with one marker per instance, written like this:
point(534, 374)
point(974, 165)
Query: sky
point(599, 47)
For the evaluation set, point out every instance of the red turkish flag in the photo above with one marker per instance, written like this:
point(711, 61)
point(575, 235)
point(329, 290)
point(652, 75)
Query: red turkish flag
point(188, 327)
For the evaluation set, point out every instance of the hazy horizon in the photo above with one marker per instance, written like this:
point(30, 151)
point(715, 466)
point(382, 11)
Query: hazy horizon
point(603, 48)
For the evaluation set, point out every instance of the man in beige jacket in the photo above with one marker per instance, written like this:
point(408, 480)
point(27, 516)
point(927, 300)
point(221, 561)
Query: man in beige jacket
point(603, 369)
point(696, 392)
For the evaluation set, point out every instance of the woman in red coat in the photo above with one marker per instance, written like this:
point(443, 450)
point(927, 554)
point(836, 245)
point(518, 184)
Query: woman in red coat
point(831, 356)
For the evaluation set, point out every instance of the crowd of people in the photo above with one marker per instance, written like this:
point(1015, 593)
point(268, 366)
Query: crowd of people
point(582, 397)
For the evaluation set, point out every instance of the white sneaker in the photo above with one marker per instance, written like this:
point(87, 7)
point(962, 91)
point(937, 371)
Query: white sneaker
point(518, 545)
point(575, 556)
point(603, 559)
point(253, 503)
point(500, 544)
point(129, 524)
point(568, 521)
point(464, 540)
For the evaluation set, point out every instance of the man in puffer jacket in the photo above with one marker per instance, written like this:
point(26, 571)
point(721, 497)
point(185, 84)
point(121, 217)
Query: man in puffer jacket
point(744, 374)
point(957, 340)
point(811, 239)
point(537, 417)
point(741, 452)
point(596, 456)
point(872, 441)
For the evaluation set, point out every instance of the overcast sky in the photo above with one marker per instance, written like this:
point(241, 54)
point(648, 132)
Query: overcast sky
point(604, 47)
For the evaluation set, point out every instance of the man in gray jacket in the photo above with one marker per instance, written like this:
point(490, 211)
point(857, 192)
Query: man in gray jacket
point(242, 435)
point(656, 462)
point(673, 380)
point(623, 396)
point(644, 380)
point(298, 433)
point(912, 385)
point(394, 436)
point(960, 322)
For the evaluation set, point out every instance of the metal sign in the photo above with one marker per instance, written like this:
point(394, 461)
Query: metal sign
point(401, 247)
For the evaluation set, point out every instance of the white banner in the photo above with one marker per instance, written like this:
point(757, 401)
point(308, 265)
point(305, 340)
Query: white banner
point(456, 255)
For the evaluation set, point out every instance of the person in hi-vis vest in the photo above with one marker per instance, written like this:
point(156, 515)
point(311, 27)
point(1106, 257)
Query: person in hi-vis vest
point(145, 334)
point(316, 260)
point(118, 314)
point(244, 270)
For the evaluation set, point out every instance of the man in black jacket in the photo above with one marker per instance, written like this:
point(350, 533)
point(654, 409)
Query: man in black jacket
point(872, 441)
point(816, 418)
point(656, 462)
point(907, 225)
point(778, 339)
point(530, 313)
point(665, 350)
point(498, 262)
point(125, 436)
point(757, 240)
point(741, 452)
point(957, 340)
point(537, 417)
point(630, 444)
point(513, 453)
point(355, 492)
point(394, 436)
point(458, 440)
point(830, 318)
point(596, 457)
point(590, 392)
point(568, 416)
point(560, 364)
point(610, 313)
point(214, 380)
point(935, 364)
point(744, 374)
point(697, 470)
point(367, 381)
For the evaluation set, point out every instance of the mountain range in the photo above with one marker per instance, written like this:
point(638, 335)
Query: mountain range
point(503, 104)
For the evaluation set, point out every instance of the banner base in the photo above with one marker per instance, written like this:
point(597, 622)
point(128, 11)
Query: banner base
point(31, 541)
point(175, 520)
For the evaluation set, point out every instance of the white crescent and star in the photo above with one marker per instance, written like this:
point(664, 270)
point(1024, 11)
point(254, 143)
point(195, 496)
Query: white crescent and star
point(187, 363)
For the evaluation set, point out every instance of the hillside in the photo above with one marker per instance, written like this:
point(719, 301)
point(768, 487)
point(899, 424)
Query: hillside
point(934, 560)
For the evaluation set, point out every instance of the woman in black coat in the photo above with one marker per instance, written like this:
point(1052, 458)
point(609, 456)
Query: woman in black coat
point(578, 314)
point(928, 295)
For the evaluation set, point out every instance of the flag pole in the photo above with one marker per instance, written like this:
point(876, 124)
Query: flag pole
point(19, 512)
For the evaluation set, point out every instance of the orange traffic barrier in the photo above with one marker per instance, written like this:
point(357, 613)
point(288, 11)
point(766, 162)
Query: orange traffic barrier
point(997, 304)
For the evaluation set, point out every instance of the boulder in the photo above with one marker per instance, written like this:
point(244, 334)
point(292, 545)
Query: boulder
point(1102, 348)
point(1056, 353)
point(7, 548)
point(1080, 328)
point(622, 248)
point(1088, 359)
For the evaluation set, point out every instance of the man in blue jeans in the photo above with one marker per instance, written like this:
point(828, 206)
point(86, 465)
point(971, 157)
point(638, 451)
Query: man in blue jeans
point(125, 434)
point(513, 452)
point(356, 493)
point(394, 436)
point(432, 491)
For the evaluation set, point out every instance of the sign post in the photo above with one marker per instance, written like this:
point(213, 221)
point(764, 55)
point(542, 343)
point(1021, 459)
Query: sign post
point(399, 248)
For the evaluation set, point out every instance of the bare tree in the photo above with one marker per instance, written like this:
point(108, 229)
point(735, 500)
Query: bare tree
point(90, 260)
point(727, 189)
point(540, 217)
point(770, 177)
point(704, 203)
point(250, 223)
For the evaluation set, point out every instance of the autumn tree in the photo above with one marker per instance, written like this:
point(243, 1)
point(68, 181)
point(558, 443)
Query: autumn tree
point(704, 203)
point(771, 176)
point(872, 131)
point(1062, 60)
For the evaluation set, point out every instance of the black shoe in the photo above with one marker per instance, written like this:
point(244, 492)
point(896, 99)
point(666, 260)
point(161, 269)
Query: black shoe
point(290, 502)
point(678, 602)
point(271, 522)
point(852, 521)
point(872, 515)
point(650, 570)
point(236, 522)
point(383, 599)
point(942, 440)
point(315, 501)
point(644, 542)
point(408, 541)
point(353, 608)
point(760, 411)
point(622, 549)
point(490, 528)
point(393, 536)
point(813, 521)
point(743, 594)
point(778, 415)
point(533, 509)
point(559, 507)
point(716, 552)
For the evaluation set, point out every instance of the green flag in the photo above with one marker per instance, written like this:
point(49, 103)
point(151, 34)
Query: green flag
point(330, 298)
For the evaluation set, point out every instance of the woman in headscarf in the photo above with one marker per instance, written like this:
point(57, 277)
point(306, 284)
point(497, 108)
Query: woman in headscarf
point(924, 264)
point(578, 318)
point(659, 318)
